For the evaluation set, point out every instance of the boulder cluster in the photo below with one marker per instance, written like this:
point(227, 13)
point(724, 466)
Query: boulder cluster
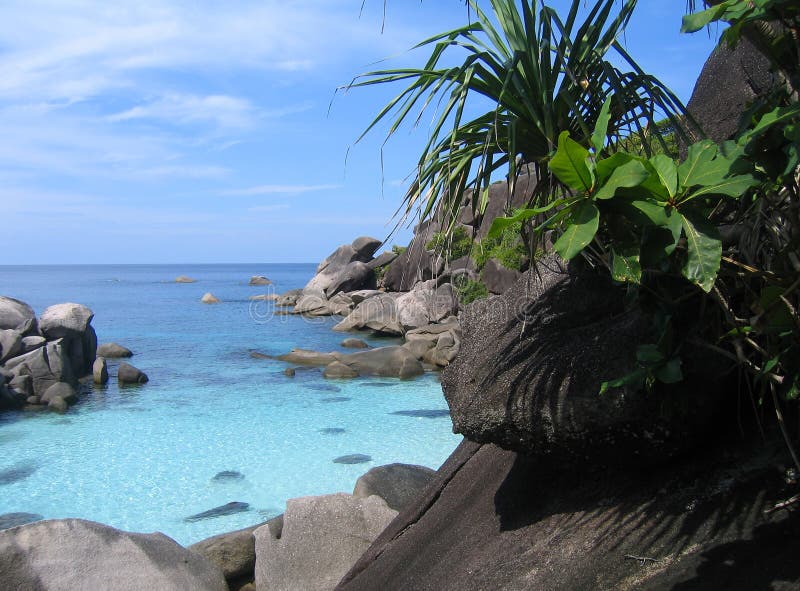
point(43, 360)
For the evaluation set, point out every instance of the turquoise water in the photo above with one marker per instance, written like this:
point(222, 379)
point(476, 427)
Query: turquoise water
point(143, 458)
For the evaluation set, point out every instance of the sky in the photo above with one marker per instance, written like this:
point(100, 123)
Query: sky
point(167, 131)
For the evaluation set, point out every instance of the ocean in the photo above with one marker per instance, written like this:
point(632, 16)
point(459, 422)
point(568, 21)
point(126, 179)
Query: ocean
point(144, 458)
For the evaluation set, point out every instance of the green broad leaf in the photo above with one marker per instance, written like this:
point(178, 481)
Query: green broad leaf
point(601, 128)
point(670, 372)
point(699, 155)
point(664, 218)
point(696, 21)
point(501, 223)
point(649, 354)
point(583, 225)
point(635, 378)
point(734, 186)
point(625, 264)
point(704, 253)
point(606, 166)
point(777, 115)
point(569, 164)
point(667, 172)
point(631, 174)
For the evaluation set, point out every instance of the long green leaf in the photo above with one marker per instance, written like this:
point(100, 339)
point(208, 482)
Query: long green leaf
point(601, 129)
point(699, 155)
point(704, 253)
point(628, 175)
point(580, 232)
point(734, 186)
point(667, 172)
point(625, 264)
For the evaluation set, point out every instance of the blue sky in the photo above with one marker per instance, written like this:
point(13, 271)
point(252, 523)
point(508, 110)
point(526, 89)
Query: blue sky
point(179, 132)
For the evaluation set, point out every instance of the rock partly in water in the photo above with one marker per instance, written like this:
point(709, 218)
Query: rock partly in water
point(46, 366)
point(397, 484)
point(184, 279)
point(71, 323)
point(128, 374)
point(57, 404)
point(424, 413)
point(355, 344)
point(289, 298)
point(113, 351)
point(338, 370)
point(100, 371)
point(209, 298)
point(226, 509)
point(61, 390)
point(393, 361)
point(76, 554)
point(353, 459)
point(319, 540)
point(290, 372)
point(259, 280)
point(9, 520)
point(306, 357)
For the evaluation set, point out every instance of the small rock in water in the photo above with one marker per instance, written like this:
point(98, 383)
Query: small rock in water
point(424, 413)
point(336, 399)
point(184, 279)
point(17, 472)
point(209, 298)
point(9, 520)
point(355, 344)
point(323, 388)
point(128, 374)
point(113, 351)
point(353, 459)
point(380, 384)
point(100, 371)
point(333, 431)
point(226, 509)
point(290, 372)
point(259, 280)
point(257, 355)
point(228, 476)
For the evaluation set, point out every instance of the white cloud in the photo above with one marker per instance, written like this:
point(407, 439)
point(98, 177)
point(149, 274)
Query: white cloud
point(280, 189)
point(221, 110)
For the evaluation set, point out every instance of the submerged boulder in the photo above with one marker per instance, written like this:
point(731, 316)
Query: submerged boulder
point(78, 554)
point(319, 539)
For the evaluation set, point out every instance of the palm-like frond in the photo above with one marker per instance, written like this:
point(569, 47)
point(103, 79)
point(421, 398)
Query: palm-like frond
point(542, 73)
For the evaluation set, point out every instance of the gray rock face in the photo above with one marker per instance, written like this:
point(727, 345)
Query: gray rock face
point(10, 344)
point(320, 540)
point(313, 302)
point(46, 365)
point(397, 484)
point(354, 276)
point(305, 357)
point(259, 280)
point(345, 269)
point(64, 320)
point(113, 351)
point(15, 314)
point(57, 404)
point(497, 278)
point(382, 260)
point(100, 371)
point(378, 313)
point(338, 370)
point(128, 374)
point(531, 363)
point(10, 399)
point(354, 344)
point(289, 298)
point(60, 390)
point(384, 361)
point(31, 343)
point(76, 554)
point(730, 79)
point(366, 246)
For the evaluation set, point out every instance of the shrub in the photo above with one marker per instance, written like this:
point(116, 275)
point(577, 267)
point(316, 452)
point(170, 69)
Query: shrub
point(507, 248)
point(455, 246)
point(471, 290)
point(398, 250)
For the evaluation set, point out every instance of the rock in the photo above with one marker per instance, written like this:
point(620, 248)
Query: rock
point(424, 413)
point(226, 509)
point(378, 313)
point(234, 552)
point(290, 372)
point(366, 246)
point(185, 279)
point(57, 404)
point(9, 520)
point(496, 519)
point(23, 384)
point(338, 370)
point(113, 351)
point(340, 304)
point(128, 374)
point(46, 366)
point(313, 303)
point(353, 459)
point(259, 280)
point(384, 361)
point(306, 357)
point(77, 554)
point(728, 83)
point(60, 390)
point(18, 472)
point(266, 297)
point(289, 298)
point(498, 278)
point(31, 343)
point(321, 537)
point(385, 258)
point(209, 298)
point(354, 276)
point(10, 399)
point(100, 371)
point(64, 320)
point(15, 314)
point(555, 337)
point(228, 476)
point(424, 304)
point(355, 344)
point(397, 484)
point(10, 344)
point(363, 294)
point(333, 431)
point(33, 400)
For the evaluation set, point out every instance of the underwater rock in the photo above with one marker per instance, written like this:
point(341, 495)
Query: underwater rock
point(332, 431)
point(226, 509)
point(353, 459)
point(9, 520)
point(424, 413)
point(17, 472)
point(228, 476)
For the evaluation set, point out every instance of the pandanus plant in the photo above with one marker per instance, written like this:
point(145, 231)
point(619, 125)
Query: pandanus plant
point(542, 75)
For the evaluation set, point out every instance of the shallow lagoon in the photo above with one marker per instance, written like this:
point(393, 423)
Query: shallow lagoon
point(144, 458)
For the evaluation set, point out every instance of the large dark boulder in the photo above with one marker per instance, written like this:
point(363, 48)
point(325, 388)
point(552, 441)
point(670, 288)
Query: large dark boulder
point(78, 554)
point(531, 364)
point(397, 484)
point(337, 272)
point(46, 366)
point(128, 374)
point(496, 519)
point(730, 79)
point(71, 322)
